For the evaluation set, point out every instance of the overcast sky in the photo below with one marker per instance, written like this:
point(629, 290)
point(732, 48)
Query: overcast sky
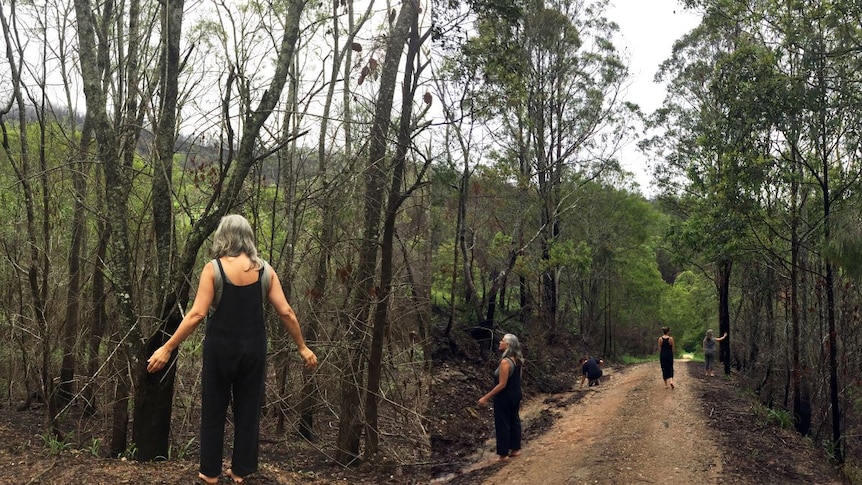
point(648, 29)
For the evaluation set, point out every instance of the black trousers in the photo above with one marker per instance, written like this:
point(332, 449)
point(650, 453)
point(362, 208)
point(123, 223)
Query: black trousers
point(233, 370)
point(507, 423)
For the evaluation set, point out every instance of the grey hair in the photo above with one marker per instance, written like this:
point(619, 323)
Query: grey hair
point(233, 237)
point(513, 348)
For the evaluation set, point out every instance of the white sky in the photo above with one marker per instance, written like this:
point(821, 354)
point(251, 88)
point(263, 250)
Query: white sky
point(647, 31)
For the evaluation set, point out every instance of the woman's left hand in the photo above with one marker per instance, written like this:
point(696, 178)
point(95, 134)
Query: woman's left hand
point(483, 401)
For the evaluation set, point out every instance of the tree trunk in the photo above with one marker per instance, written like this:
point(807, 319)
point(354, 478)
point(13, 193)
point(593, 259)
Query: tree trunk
point(98, 323)
point(723, 286)
point(154, 393)
point(77, 232)
point(801, 404)
point(115, 162)
point(406, 31)
point(38, 264)
point(349, 426)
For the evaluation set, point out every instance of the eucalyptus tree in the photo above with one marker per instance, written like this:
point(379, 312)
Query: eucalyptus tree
point(484, 199)
point(611, 280)
point(24, 148)
point(551, 79)
point(113, 105)
point(153, 399)
point(240, 156)
point(819, 60)
point(715, 146)
point(345, 25)
point(791, 68)
point(368, 294)
point(400, 188)
point(455, 85)
point(823, 37)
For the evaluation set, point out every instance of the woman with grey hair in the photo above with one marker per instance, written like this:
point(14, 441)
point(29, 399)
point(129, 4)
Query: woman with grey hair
point(230, 296)
point(709, 351)
point(507, 397)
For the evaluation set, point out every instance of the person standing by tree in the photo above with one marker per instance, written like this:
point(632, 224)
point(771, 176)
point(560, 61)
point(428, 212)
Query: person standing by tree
point(507, 398)
point(234, 356)
point(666, 353)
point(709, 350)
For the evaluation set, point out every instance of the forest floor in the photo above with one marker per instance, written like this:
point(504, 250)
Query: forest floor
point(630, 429)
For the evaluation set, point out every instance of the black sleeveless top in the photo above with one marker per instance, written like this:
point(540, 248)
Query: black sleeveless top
point(513, 385)
point(239, 314)
point(666, 350)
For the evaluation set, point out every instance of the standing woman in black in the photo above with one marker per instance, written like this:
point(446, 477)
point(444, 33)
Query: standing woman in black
point(234, 355)
point(665, 345)
point(507, 398)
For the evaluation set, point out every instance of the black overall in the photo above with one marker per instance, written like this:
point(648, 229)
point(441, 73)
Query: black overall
point(234, 365)
point(666, 359)
point(507, 404)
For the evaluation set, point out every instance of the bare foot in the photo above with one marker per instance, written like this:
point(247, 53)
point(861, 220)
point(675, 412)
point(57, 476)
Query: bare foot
point(671, 385)
point(207, 479)
point(514, 453)
point(502, 458)
point(235, 478)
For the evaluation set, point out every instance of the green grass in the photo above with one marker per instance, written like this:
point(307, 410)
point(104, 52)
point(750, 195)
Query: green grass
point(631, 360)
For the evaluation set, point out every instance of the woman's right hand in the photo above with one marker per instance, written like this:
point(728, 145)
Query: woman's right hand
point(158, 360)
point(308, 356)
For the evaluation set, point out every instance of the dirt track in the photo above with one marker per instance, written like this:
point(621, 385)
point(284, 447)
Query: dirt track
point(633, 430)
point(630, 429)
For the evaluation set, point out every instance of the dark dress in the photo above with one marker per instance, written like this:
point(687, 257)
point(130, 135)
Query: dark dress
point(234, 365)
point(507, 404)
point(666, 358)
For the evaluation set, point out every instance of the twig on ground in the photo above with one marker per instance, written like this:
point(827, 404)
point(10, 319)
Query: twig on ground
point(36, 479)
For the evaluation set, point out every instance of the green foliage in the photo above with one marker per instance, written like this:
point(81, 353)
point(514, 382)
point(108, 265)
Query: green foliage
point(845, 248)
point(570, 254)
point(780, 417)
point(640, 284)
point(441, 281)
point(769, 416)
point(689, 308)
point(94, 447)
point(830, 448)
point(631, 360)
point(54, 445)
point(181, 451)
point(130, 452)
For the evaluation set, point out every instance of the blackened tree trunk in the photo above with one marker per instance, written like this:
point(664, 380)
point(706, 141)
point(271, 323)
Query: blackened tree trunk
point(154, 393)
point(723, 287)
point(116, 141)
point(159, 387)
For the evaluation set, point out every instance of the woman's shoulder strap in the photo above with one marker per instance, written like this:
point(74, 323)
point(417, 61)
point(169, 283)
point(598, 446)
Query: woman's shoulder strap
point(265, 279)
point(218, 283)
